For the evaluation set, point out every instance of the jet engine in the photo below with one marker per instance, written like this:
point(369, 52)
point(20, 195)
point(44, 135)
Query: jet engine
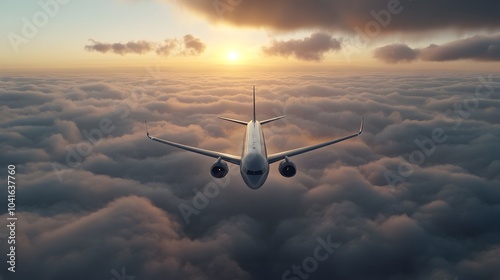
point(219, 169)
point(287, 168)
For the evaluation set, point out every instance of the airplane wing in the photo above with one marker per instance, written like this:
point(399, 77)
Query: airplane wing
point(279, 156)
point(227, 157)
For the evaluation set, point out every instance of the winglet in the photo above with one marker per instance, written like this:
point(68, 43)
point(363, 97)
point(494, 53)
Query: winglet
point(147, 130)
point(254, 118)
point(362, 125)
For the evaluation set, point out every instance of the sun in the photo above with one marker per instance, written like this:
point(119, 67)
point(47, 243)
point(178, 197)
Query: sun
point(233, 56)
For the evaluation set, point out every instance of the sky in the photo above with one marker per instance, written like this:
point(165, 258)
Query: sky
point(250, 34)
point(416, 196)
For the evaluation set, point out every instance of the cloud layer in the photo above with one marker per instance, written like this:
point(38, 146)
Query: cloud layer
point(188, 45)
point(309, 49)
point(343, 15)
point(95, 193)
point(478, 48)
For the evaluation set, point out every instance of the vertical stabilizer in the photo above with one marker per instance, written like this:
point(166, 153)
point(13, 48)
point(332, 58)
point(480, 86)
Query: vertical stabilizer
point(254, 118)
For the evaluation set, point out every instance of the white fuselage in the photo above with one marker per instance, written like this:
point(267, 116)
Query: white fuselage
point(254, 166)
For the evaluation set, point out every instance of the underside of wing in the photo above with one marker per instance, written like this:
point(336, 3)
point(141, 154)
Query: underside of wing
point(227, 157)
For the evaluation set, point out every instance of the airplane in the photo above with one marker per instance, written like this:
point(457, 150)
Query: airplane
point(254, 161)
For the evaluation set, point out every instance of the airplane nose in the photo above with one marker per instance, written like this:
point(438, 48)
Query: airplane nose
point(254, 181)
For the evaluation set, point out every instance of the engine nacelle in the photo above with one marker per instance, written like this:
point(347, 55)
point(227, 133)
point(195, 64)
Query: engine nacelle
point(219, 169)
point(287, 168)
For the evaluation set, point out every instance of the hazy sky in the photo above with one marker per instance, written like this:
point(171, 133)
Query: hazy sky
point(54, 33)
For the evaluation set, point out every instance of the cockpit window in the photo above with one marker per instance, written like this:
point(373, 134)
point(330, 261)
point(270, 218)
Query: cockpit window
point(258, 172)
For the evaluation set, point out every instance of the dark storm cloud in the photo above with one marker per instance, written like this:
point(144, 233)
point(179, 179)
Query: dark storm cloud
point(311, 48)
point(396, 53)
point(478, 48)
point(117, 205)
point(189, 45)
point(344, 15)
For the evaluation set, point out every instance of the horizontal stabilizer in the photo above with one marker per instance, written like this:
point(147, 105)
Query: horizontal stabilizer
point(233, 120)
point(271, 120)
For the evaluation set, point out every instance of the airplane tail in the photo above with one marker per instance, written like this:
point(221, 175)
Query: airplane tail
point(264, 121)
point(254, 115)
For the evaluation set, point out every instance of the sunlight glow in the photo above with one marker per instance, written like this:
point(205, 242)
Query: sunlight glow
point(233, 56)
